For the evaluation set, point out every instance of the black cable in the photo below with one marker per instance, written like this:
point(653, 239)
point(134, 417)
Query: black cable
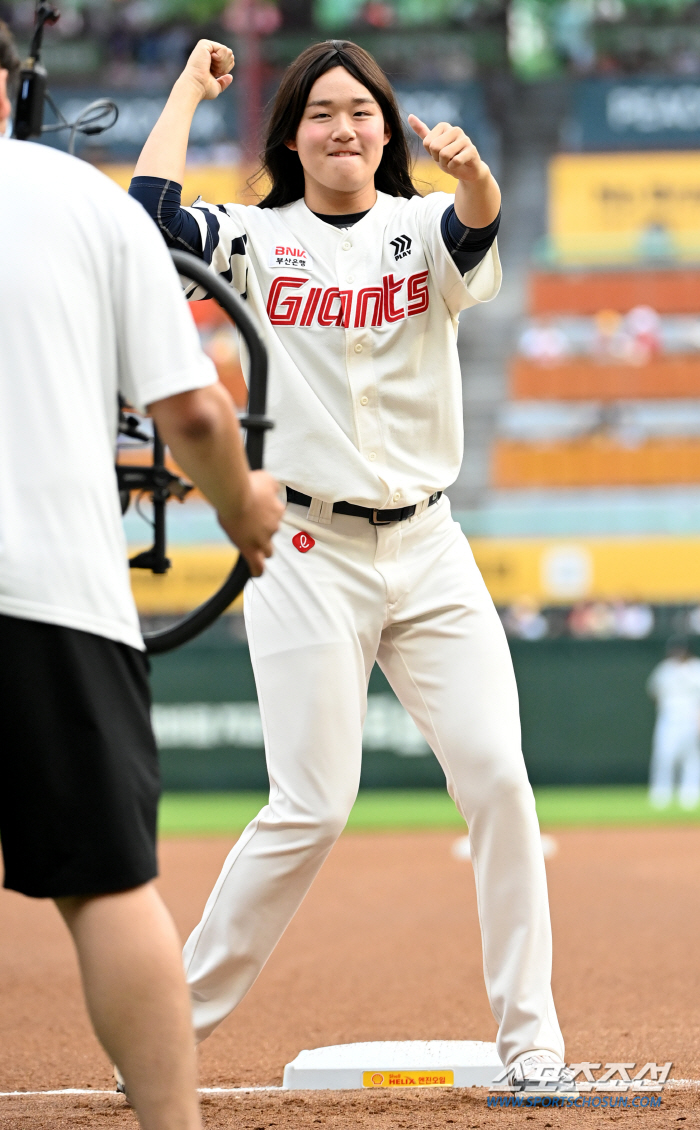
point(139, 511)
point(88, 121)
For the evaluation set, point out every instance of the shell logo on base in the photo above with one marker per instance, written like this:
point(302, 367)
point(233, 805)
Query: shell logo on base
point(408, 1078)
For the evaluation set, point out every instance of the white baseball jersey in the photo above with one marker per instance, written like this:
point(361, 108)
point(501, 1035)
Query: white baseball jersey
point(675, 684)
point(361, 328)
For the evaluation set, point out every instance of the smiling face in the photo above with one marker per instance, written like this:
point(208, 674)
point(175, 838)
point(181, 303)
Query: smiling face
point(340, 138)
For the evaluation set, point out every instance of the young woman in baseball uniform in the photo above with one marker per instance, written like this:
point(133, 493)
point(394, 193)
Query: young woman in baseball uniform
point(357, 283)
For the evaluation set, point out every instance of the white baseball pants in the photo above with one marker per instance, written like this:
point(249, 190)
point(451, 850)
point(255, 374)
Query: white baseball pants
point(675, 751)
point(409, 596)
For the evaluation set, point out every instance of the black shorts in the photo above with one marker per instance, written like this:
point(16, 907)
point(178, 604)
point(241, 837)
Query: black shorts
point(79, 779)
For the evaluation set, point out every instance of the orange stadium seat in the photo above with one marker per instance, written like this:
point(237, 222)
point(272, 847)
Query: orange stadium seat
point(596, 461)
point(582, 378)
point(586, 292)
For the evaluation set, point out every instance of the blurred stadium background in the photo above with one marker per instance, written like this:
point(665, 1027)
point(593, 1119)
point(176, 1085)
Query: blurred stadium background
point(580, 489)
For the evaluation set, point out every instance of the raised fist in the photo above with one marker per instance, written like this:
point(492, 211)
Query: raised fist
point(209, 67)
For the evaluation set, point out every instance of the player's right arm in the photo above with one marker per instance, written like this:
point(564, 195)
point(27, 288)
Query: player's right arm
point(208, 231)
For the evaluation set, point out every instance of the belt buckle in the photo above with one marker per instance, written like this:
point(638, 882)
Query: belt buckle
point(373, 520)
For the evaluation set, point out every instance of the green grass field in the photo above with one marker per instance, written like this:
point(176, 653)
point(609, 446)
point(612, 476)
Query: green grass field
point(212, 814)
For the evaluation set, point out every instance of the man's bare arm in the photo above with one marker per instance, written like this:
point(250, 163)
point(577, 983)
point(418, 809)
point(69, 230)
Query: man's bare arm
point(201, 429)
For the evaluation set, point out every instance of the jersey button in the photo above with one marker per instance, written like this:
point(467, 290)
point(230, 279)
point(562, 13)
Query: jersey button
point(397, 496)
point(347, 245)
point(350, 278)
point(372, 456)
point(364, 400)
point(358, 348)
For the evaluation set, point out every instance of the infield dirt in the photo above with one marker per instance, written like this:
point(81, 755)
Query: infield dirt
point(387, 946)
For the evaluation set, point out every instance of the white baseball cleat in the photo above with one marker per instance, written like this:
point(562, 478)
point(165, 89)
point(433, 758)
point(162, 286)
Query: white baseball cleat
point(541, 1073)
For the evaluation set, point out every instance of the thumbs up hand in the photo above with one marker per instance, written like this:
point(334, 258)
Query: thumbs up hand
point(450, 147)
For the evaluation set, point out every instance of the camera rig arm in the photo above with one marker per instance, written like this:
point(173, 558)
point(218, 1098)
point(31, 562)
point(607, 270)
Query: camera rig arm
point(94, 119)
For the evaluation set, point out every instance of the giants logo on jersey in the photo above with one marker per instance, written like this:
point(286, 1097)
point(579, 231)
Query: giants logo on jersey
point(375, 305)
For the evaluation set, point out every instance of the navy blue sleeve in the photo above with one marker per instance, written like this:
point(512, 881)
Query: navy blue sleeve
point(162, 200)
point(467, 246)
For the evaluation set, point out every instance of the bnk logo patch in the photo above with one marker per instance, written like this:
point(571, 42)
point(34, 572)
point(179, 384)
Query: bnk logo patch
point(303, 542)
point(283, 256)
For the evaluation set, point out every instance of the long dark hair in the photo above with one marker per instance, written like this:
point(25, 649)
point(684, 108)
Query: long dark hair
point(283, 166)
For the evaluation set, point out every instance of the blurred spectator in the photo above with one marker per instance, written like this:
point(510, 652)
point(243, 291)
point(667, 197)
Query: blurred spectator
point(377, 14)
point(638, 337)
point(573, 22)
point(524, 620)
point(675, 685)
point(608, 337)
point(242, 17)
point(593, 619)
point(644, 326)
point(544, 342)
point(633, 621)
point(600, 620)
point(619, 339)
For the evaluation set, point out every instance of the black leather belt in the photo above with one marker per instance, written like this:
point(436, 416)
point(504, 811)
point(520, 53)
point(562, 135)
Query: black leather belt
point(374, 517)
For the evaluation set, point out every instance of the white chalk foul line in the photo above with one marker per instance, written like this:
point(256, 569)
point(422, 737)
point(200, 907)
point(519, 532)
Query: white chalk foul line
point(94, 1091)
point(670, 1085)
point(63, 1091)
point(236, 1090)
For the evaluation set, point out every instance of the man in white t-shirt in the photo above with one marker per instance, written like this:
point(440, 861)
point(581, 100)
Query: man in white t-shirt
point(675, 686)
point(91, 306)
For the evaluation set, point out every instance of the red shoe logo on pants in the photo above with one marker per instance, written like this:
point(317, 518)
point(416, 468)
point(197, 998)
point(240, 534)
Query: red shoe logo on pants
point(303, 542)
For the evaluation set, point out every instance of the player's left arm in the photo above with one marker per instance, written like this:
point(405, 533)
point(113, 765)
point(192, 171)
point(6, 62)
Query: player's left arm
point(477, 195)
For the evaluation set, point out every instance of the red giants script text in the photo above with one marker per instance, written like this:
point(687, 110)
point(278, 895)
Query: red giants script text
point(373, 305)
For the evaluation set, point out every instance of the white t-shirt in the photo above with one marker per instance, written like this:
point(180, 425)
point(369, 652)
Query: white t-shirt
point(361, 326)
point(675, 685)
point(90, 304)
